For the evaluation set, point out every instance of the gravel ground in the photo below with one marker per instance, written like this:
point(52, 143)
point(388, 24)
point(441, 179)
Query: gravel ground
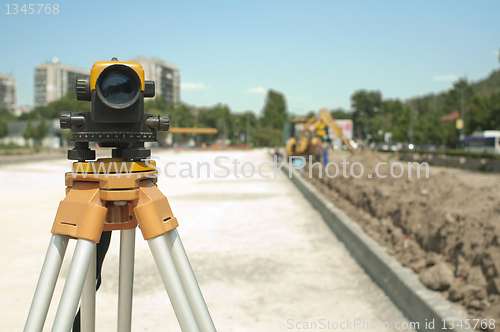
point(264, 258)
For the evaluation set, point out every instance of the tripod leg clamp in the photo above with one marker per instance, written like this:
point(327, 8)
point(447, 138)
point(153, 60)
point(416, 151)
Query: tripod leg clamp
point(80, 213)
point(153, 212)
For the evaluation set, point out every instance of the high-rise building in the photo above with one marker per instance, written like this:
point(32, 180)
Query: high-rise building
point(53, 80)
point(8, 92)
point(166, 76)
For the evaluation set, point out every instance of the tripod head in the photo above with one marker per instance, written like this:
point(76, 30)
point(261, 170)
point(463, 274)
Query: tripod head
point(116, 91)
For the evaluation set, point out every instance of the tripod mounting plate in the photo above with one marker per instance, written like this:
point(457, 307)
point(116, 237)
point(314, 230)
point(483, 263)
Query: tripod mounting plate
point(113, 201)
point(113, 166)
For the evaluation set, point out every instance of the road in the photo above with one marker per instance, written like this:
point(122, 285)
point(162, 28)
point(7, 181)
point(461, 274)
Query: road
point(264, 258)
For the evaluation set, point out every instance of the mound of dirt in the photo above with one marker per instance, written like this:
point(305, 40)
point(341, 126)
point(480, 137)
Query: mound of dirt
point(426, 223)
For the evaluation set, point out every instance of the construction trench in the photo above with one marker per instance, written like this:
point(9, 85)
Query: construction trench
point(444, 227)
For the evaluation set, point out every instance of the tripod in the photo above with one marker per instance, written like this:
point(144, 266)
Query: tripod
point(107, 201)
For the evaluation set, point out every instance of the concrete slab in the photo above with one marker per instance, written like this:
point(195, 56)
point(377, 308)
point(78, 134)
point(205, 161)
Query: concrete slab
point(263, 256)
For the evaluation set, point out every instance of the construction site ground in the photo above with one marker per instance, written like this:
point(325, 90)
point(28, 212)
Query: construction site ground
point(446, 227)
point(263, 256)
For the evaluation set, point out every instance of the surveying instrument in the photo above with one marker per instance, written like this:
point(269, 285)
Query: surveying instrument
point(97, 203)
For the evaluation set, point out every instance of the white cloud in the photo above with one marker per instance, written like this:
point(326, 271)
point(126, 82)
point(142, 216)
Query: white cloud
point(192, 86)
point(258, 89)
point(445, 78)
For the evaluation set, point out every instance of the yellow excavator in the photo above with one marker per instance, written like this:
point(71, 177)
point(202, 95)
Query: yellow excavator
point(308, 141)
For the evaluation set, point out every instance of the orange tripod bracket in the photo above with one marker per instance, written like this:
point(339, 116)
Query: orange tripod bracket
point(97, 202)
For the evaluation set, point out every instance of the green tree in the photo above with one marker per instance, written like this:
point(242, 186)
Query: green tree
point(29, 131)
point(42, 130)
point(53, 110)
point(251, 126)
point(400, 124)
point(4, 128)
point(239, 123)
point(158, 106)
point(311, 114)
point(428, 129)
point(477, 114)
point(267, 136)
point(363, 102)
point(493, 104)
point(219, 117)
point(340, 113)
point(5, 117)
point(274, 114)
point(37, 133)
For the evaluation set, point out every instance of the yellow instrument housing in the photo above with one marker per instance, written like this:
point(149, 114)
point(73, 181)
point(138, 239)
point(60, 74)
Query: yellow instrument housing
point(98, 67)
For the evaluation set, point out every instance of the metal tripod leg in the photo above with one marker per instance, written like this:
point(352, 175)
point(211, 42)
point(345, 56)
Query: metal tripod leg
point(46, 283)
point(173, 284)
point(87, 320)
point(189, 281)
point(126, 280)
point(73, 286)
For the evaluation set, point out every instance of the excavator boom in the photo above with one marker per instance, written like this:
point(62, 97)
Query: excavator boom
point(330, 123)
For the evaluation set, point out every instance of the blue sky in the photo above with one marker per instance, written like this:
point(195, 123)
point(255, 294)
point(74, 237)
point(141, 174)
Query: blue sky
point(317, 53)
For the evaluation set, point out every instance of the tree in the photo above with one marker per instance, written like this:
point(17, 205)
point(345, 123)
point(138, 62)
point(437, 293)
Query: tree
point(37, 133)
point(53, 110)
point(428, 129)
point(4, 128)
point(29, 131)
point(363, 102)
point(250, 123)
point(267, 136)
point(311, 114)
point(158, 106)
point(493, 104)
point(5, 117)
point(340, 113)
point(274, 114)
point(476, 114)
point(218, 116)
point(42, 130)
point(401, 123)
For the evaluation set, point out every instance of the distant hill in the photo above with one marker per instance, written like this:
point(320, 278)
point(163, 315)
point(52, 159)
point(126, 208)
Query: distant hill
point(483, 87)
point(488, 85)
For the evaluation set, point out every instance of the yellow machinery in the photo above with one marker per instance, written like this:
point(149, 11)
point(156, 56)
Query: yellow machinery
point(307, 142)
point(193, 130)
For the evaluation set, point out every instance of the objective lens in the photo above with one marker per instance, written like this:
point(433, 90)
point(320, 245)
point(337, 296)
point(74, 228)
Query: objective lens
point(118, 88)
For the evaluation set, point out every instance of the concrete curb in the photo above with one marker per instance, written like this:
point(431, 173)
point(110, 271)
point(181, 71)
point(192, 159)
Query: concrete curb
point(416, 301)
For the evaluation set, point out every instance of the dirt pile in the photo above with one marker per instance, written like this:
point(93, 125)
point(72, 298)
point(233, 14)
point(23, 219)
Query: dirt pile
point(439, 226)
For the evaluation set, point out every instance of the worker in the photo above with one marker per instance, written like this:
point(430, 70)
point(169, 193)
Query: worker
point(317, 151)
point(277, 153)
point(324, 148)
